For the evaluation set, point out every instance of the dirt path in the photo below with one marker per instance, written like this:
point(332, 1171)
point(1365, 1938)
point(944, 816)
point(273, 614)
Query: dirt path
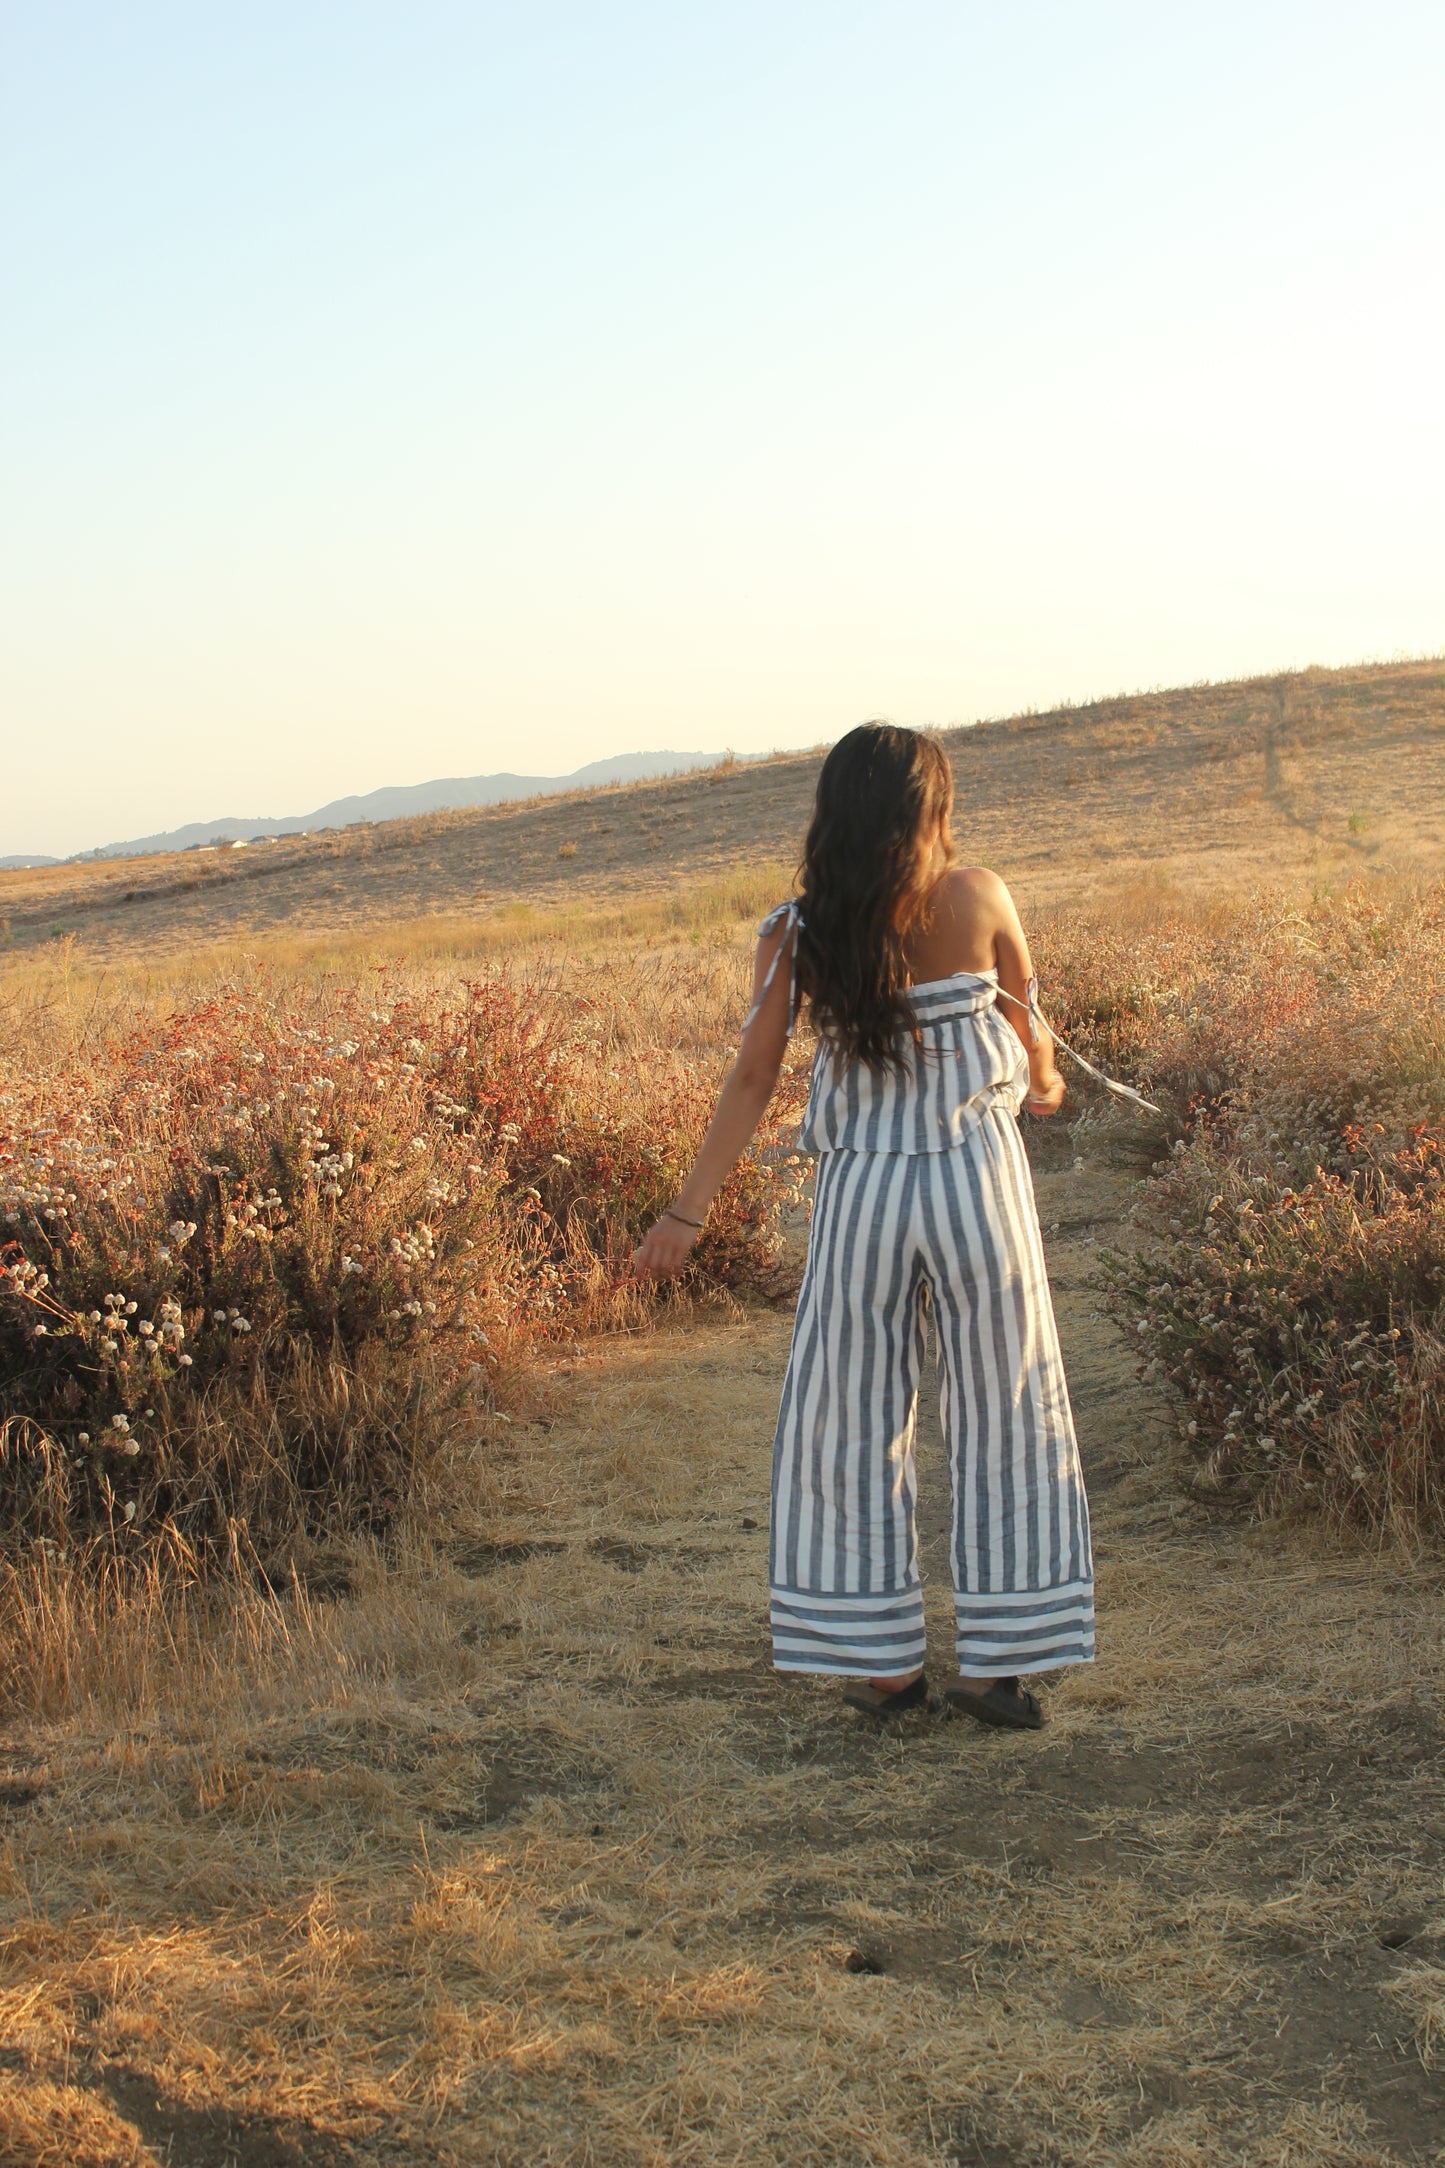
point(540, 1863)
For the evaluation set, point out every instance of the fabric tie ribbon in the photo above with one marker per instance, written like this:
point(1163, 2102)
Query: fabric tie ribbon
point(787, 915)
point(1038, 1021)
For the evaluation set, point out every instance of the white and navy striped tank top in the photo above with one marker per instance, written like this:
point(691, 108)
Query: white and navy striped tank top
point(968, 1061)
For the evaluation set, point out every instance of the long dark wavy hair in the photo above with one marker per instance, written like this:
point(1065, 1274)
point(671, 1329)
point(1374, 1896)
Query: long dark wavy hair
point(865, 882)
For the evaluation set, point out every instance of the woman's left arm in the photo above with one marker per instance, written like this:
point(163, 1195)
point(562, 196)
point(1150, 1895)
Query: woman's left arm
point(1015, 977)
point(741, 1104)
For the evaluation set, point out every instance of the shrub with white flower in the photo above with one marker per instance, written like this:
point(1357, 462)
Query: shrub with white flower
point(292, 1234)
point(1291, 1293)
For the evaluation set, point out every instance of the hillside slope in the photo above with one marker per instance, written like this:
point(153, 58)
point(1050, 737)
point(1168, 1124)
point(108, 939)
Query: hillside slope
point(1317, 773)
point(403, 802)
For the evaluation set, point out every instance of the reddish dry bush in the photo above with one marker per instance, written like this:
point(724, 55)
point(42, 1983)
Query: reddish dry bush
point(1297, 1022)
point(251, 1261)
point(1303, 1328)
point(1295, 1294)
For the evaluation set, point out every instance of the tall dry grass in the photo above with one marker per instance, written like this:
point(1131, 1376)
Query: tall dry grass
point(348, 1202)
point(1293, 1291)
point(65, 991)
point(266, 1253)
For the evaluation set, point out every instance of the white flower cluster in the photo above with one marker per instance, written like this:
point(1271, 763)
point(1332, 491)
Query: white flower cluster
point(130, 1446)
point(249, 1220)
point(417, 1248)
point(42, 1200)
point(41, 1163)
point(323, 1165)
point(118, 1313)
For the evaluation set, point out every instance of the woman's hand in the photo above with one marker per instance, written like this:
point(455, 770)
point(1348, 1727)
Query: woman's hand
point(1047, 1096)
point(664, 1249)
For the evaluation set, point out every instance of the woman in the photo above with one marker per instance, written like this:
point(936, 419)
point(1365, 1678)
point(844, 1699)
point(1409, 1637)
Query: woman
point(923, 1191)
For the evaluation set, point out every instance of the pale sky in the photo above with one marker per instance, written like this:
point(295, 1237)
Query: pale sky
point(395, 391)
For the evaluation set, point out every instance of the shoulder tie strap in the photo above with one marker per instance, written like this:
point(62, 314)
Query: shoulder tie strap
point(789, 916)
point(1036, 1018)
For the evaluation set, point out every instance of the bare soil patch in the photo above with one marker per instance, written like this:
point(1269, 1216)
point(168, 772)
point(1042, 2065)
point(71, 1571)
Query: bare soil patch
point(530, 1857)
point(1318, 773)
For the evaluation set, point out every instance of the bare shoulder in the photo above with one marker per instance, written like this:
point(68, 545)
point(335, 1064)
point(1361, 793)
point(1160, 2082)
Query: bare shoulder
point(971, 893)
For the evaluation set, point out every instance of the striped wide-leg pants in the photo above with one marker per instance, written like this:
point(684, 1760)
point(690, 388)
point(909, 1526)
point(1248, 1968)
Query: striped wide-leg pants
point(846, 1595)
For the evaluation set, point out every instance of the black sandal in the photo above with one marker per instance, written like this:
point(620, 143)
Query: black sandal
point(859, 1694)
point(1007, 1704)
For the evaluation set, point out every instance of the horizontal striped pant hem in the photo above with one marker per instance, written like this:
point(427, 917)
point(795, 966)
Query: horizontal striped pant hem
point(866, 1636)
point(1025, 1630)
point(872, 1636)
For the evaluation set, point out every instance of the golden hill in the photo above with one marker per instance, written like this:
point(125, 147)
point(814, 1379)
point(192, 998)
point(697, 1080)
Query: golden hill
point(1321, 772)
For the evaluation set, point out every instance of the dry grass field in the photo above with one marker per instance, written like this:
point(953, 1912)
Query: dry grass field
point(488, 1836)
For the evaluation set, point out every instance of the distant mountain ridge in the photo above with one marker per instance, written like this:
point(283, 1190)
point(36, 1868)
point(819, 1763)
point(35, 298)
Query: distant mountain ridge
point(447, 793)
